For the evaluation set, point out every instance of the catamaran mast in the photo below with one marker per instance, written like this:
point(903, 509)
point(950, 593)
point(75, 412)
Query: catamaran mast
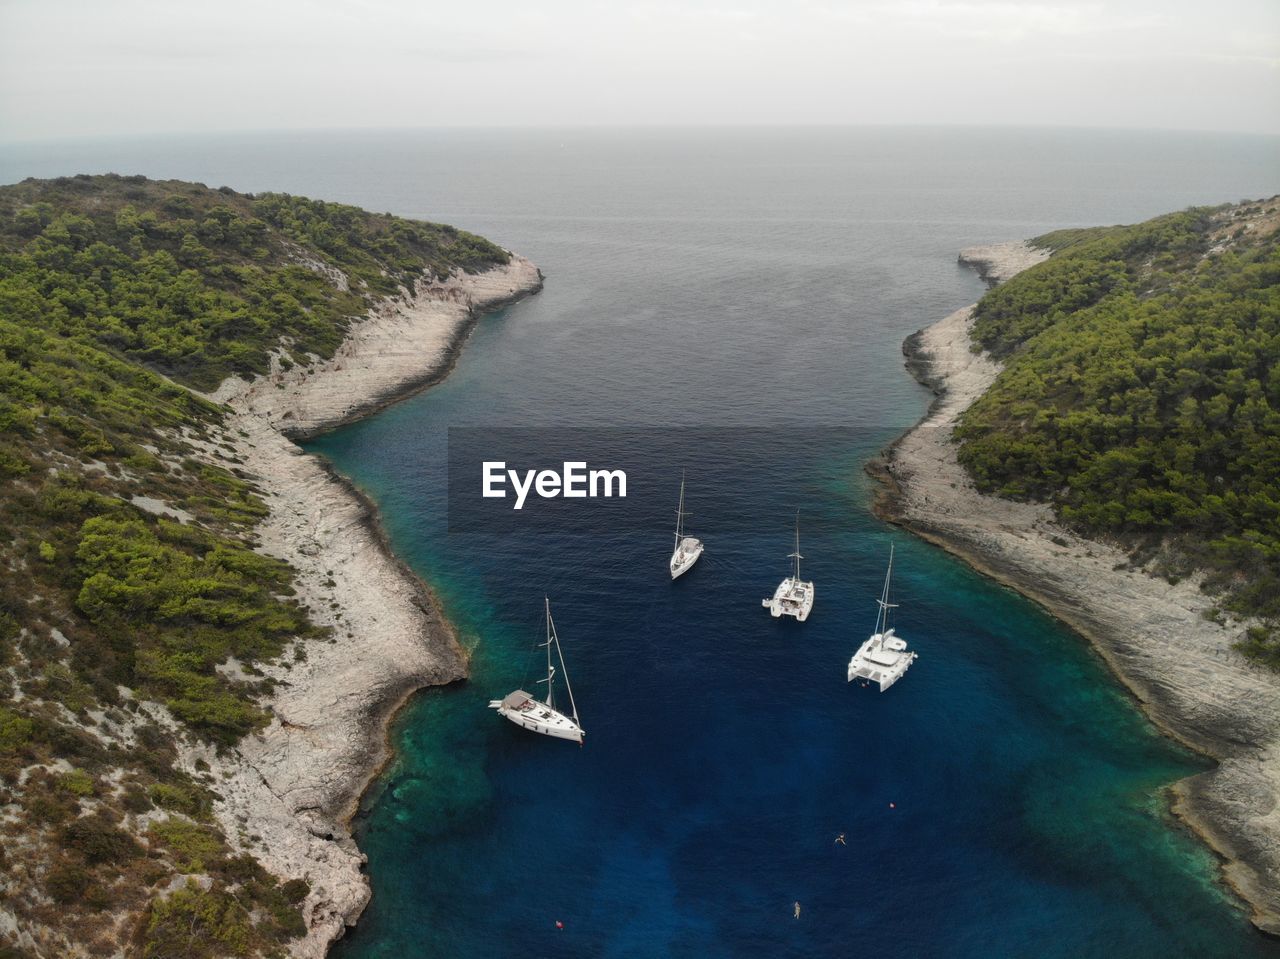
point(882, 617)
point(796, 554)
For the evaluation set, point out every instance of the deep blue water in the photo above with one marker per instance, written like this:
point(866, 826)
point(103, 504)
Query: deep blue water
point(757, 280)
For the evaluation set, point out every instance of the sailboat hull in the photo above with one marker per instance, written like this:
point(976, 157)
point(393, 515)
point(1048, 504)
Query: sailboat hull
point(686, 555)
point(537, 717)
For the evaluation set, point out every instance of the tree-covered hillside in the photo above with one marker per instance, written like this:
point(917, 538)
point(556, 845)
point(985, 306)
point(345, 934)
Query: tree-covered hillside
point(198, 283)
point(1141, 397)
point(126, 532)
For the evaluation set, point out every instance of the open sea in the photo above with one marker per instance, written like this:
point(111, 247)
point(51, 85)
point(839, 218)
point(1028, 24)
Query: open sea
point(1006, 798)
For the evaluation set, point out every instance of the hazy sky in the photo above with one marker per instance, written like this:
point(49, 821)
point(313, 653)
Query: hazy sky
point(88, 67)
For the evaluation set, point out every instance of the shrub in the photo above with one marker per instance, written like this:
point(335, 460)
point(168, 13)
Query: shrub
point(77, 782)
point(295, 890)
point(99, 840)
point(195, 924)
point(190, 800)
point(15, 730)
point(66, 882)
point(194, 847)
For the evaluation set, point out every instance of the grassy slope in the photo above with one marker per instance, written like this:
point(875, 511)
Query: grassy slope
point(1141, 397)
point(115, 294)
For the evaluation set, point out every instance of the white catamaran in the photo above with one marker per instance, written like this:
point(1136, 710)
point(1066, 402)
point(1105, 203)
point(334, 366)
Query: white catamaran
point(543, 717)
point(688, 549)
point(883, 658)
point(793, 597)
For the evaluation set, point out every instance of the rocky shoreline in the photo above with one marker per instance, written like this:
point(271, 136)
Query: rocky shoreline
point(289, 792)
point(1153, 635)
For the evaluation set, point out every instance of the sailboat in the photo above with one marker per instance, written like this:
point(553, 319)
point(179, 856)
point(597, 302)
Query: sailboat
point(688, 549)
point(883, 658)
point(541, 716)
point(793, 597)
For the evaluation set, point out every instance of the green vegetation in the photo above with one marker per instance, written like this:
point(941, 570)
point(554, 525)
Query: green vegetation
point(1141, 397)
point(199, 283)
point(250, 918)
point(175, 613)
point(193, 847)
point(119, 296)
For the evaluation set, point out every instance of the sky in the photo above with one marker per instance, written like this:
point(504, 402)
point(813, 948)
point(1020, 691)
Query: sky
point(100, 67)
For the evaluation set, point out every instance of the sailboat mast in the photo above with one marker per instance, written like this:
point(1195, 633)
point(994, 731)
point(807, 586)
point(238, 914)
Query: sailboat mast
point(680, 512)
point(550, 669)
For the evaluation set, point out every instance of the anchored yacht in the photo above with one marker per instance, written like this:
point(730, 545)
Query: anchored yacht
point(540, 716)
point(793, 597)
point(883, 658)
point(688, 549)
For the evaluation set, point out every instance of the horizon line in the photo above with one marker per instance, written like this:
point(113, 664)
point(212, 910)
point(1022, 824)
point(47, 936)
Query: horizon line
point(6, 142)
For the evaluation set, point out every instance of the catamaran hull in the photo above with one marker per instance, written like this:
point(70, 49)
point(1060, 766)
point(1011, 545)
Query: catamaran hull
point(884, 658)
point(779, 605)
point(777, 611)
point(884, 682)
point(861, 666)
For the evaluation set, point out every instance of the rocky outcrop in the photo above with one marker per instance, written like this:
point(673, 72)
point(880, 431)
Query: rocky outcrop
point(1002, 261)
point(1154, 635)
point(288, 793)
point(405, 344)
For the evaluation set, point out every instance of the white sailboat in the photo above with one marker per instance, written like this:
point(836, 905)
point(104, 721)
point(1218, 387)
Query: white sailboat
point(793, 597)
point(688, 549)
point(883, 658)
point(542, 716)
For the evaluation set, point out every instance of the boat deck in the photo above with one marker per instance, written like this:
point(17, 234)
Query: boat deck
point(536, 716)
point(793, 597)
point(685, 555)
point(882, 659)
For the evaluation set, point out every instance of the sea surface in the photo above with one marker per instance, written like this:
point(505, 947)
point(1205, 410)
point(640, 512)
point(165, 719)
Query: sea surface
point(1007, 798)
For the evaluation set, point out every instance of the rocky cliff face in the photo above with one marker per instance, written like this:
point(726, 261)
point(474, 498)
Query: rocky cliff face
point(288, 793)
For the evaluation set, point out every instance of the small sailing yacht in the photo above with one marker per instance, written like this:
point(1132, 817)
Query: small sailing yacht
point(793, 597)
point(687, 548)
point(538, 716)
point(883, 658)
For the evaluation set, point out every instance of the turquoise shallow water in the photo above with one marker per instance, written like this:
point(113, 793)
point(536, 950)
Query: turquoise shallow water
point(744, 279)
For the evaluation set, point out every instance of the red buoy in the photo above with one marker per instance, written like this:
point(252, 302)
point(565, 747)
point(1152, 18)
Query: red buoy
point(559, 924)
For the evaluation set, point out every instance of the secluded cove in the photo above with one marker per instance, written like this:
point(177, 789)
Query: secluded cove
point(725, 750)
point(749, 279)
